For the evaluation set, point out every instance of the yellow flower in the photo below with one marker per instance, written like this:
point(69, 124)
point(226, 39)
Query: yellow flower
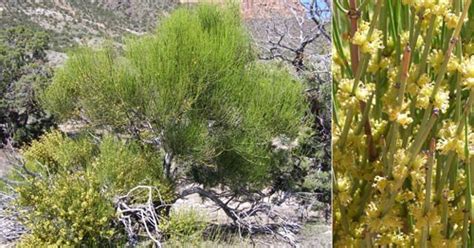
point(423, 98)
point(441, 100)
point(453, 65)
point(368, 44)
point(467, 70)
point(449, 141)
point(469, 83)
point(373, 210)
point(441, 8)
point(451, 20)
point(436, 59)
point(380, 183)
point(404, 119)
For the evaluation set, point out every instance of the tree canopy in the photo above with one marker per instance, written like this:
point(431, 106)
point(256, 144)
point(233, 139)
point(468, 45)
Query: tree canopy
point(23, 73)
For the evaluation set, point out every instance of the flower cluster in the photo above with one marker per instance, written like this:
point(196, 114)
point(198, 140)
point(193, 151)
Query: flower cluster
point(402, 134)
point(369, 42)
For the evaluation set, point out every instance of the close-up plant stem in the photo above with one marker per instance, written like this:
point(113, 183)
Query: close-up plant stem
point(404, 109)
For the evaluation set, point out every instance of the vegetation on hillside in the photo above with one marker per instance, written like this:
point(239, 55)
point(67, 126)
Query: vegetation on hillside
point(187, 109)
point(23, 75)
point(70, 23)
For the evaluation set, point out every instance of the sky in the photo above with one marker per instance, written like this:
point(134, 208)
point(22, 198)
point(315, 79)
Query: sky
point(321, 4)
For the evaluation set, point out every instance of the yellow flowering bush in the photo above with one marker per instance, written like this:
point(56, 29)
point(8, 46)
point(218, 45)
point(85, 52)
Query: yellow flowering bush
point(402, 123)
point(68, 196)
point(53, 153)
point(66, 211)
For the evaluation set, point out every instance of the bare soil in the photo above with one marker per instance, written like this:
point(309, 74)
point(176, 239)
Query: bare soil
point(4, 165)
point(316, 232)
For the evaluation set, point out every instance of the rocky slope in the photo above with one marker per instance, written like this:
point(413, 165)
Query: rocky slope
point(84, 21)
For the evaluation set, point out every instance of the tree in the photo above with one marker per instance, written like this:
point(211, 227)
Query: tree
point(23, 74)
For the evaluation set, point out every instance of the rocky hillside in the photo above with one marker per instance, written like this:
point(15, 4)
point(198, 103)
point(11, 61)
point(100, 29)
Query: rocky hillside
point(84, 21)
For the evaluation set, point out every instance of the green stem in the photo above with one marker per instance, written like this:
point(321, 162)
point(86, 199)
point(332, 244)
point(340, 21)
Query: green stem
point(427, 204)
point(344, 219)
point(340, 7)
point(468, 209)
point(394, 191)
point(426, 51)
point(365, 115)
point(447, 56)
point(360, 69)
point(469, 201)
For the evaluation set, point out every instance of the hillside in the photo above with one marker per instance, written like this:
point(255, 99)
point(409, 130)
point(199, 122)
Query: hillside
point(84, 21)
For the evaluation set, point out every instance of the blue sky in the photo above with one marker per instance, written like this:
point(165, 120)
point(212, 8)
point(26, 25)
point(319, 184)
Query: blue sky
point(321, 4)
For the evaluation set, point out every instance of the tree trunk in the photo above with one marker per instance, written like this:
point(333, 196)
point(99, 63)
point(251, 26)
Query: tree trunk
point(167, 164)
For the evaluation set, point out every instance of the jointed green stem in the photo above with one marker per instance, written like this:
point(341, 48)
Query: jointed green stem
point(447, 56)
point(394, 128)
point(427, 204)
point(451, 155)
point(360, 72)
point(468, 212)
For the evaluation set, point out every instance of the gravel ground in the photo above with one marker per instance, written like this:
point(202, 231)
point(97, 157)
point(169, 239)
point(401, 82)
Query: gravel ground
point(316, 232)
point(10, 229)
point(4, 166)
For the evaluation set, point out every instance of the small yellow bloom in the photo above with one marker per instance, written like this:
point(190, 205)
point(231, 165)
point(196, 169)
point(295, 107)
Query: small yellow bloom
point(404, 120)
point(368, 44)
point(451, 20)
point(441, 100)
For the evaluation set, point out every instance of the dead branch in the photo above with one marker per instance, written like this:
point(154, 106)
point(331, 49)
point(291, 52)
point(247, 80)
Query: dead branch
point(141, 219)
point(254, 215)
point(292, 37)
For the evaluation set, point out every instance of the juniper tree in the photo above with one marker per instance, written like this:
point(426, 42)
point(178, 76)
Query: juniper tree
point(23, 74)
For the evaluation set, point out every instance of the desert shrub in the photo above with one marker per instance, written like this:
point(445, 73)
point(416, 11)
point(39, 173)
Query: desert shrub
point(192, 92)
point(66, 209)
point(119, 167)
point(195, 86)
point(54, 152)
point(319, 182)
point(302, 165)
point(72, 184)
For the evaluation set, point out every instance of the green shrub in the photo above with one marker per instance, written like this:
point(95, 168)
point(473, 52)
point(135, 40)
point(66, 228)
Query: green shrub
point(67, 209)
point(73, 195)
point(53, 152)
point(197, 84)
point(195, 87)
point(119, 167)
point(184, 225)
point(320, 182)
